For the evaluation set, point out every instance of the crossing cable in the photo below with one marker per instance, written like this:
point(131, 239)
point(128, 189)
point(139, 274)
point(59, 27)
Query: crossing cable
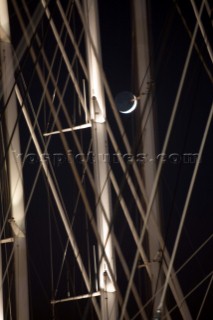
point(204, 298)
point(208, 72)
point(20, 51)
point(205, 38)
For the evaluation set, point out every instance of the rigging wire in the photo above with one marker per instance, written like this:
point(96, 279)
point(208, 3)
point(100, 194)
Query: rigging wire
point(204, 298)
point(195, 45)
point(205, 38)
point(20, 51)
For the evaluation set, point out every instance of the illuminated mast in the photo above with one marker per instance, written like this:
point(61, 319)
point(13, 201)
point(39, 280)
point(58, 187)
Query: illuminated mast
point(15, 171)
point(100, 147)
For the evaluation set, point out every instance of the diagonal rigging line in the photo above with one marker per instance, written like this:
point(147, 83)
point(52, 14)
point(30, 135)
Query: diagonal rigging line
point(37, 15)
point(71, 35)
point(205, 38)
point(196, 46)
point(159, 168)
point(186, 207)
point(204, 298)
point(190, 292)
point(66, 59)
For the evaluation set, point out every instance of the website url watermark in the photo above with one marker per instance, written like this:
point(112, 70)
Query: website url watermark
point(59, 159)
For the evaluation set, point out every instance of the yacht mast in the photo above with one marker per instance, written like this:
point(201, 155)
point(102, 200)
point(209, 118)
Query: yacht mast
point(107, 270)
point(17, 220)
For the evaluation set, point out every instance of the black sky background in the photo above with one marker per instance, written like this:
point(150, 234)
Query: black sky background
point(170, 43)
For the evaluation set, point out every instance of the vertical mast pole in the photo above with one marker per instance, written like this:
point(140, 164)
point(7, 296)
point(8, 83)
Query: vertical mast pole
point(15, 170)
point(148, 139)
point(100, 148)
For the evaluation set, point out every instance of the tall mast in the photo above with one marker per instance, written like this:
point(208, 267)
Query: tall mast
point(148, 139)
point(100, 148)
point(15, 170)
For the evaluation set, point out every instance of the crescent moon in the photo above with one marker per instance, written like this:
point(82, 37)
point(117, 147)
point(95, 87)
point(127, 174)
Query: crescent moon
point(133, 106)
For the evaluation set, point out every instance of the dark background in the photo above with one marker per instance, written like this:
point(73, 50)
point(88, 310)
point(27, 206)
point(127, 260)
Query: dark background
point(170, 43)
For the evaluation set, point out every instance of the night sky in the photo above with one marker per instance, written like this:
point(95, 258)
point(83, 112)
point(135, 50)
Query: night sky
point(47, 240)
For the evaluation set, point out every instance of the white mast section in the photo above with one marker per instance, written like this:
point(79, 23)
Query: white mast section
point(100, 147)
point(15, 172)
point(147, 129)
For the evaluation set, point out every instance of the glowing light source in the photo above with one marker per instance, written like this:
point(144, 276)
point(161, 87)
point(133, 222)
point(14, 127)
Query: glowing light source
point(126, 102)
